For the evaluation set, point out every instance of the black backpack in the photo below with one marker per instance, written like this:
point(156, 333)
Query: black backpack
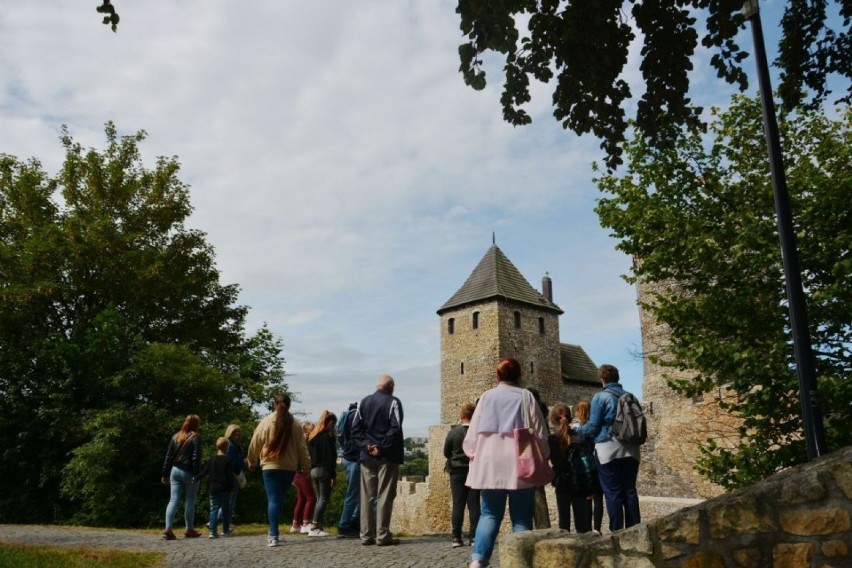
point(629, 426)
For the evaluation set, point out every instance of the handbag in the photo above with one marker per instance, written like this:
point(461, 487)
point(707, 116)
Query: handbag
point(241, 479)
point(531, 465)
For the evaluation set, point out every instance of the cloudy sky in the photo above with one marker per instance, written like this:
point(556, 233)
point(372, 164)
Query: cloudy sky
point(347, 178)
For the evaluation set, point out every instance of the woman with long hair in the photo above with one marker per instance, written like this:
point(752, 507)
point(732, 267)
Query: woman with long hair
point(581, 415)
point(490, 445)
point(569, 492)
point(322, 447)
point(279, 445)
point(183, 461)
point(306, 497)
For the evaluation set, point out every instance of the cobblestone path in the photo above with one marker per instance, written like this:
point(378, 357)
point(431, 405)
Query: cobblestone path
point(296, 551)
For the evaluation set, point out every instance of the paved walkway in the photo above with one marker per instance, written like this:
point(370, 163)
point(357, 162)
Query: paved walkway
point(300, 551)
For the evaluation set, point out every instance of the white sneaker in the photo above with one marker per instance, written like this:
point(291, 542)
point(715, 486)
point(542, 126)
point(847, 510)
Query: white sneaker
point(272, 541)
point(305, 529)
point(318, 532)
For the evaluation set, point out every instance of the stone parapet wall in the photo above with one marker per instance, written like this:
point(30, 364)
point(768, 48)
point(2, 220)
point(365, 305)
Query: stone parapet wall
point(801, 517)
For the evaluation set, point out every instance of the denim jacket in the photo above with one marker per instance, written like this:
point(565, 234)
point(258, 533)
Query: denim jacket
point(602, 414)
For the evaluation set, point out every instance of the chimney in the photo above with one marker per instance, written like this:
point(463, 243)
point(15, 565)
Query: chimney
point(547, 287)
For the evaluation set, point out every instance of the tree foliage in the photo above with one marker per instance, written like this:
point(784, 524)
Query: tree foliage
point(113, 327)
point(583, 46)
point(699, 218)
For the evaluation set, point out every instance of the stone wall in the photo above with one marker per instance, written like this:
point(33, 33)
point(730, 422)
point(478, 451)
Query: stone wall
point(797, 518)
point(469, 355)
point(676, 425)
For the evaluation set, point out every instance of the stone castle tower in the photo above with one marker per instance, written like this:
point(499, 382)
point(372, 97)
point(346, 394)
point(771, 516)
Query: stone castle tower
point(676, 425)
point(496, 314)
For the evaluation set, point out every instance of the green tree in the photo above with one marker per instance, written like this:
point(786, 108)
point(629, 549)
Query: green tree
point(113, 327)
point(699, 220)
point(583, 45)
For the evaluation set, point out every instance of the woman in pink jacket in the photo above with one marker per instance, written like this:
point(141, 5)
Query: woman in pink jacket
point(490, 445)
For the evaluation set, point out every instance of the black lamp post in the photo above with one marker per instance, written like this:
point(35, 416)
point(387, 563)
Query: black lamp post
point(811, 413)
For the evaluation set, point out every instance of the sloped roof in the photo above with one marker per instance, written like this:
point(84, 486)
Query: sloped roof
point(496, 277)
point(577, 367)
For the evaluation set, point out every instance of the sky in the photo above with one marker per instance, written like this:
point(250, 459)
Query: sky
point(347, 178)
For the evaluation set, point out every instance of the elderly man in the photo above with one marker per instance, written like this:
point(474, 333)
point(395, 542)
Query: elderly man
point(377, 429)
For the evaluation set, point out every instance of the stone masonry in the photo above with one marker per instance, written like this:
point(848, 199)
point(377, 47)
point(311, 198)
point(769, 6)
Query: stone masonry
point(676, 425)
point(801, 517)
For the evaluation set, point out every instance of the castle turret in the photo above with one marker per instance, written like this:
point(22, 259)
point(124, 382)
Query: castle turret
point(495, 314)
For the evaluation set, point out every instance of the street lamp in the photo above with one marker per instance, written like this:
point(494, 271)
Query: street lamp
point(811, 413)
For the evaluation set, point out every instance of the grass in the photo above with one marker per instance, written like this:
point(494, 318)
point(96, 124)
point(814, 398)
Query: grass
point(23, 556)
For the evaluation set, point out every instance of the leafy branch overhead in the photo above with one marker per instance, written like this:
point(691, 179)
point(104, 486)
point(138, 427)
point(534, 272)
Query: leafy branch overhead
point(584, 45)
point(111, 18)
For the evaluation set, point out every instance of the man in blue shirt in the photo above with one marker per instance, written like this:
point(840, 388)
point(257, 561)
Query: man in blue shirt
point(618, 463)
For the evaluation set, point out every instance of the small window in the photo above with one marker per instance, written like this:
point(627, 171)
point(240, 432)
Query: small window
point(541, 325)
point(451, 325)
point(517, 320)
point(532, 367)
point(462, 368)
point(475, 320)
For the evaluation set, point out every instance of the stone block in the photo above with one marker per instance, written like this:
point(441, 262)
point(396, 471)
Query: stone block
point(635, 539)
point(736, 515)
point(834, 549)
point(842, 474)
point(683, 526)
point(556, 553)
point(703, 559)
point(517, 550)
point(792, 555)
point(805, 488)
point(748, 557)
point(815, 521)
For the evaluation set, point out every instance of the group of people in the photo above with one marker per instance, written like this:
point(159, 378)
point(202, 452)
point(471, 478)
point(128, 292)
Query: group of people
point(589, 463)
point(304, 455)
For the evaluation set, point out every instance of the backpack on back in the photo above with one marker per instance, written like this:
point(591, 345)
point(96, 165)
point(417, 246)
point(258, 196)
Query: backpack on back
point(629, 426)
point(344, 432)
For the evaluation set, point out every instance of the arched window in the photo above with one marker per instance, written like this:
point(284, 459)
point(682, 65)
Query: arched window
point(517, 320)
point(532, 367)
point(462, 368)
point(475, 320)
point(451, 325)
point(541, 325)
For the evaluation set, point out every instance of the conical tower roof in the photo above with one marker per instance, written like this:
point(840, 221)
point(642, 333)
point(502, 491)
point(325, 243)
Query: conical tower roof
point(496, 277)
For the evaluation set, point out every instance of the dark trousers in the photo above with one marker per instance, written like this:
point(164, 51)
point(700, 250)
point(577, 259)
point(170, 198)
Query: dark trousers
point(323, 497)
point(597, 510)
point(463, 496)
point(618, 482)
point(582, 507)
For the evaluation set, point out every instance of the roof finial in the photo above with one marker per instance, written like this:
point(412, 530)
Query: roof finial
point(493, 238)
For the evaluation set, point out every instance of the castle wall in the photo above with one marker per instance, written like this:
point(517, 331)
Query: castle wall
point(537, 352)
point(479, 350)
point(676, 425)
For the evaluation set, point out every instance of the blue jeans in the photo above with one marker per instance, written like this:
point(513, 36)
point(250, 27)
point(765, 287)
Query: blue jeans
point(521, 506)
point(232, 499)
point(220, 504)
point(181, 486)
point(350, 517)
point(276, 482)
point(618, 482)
